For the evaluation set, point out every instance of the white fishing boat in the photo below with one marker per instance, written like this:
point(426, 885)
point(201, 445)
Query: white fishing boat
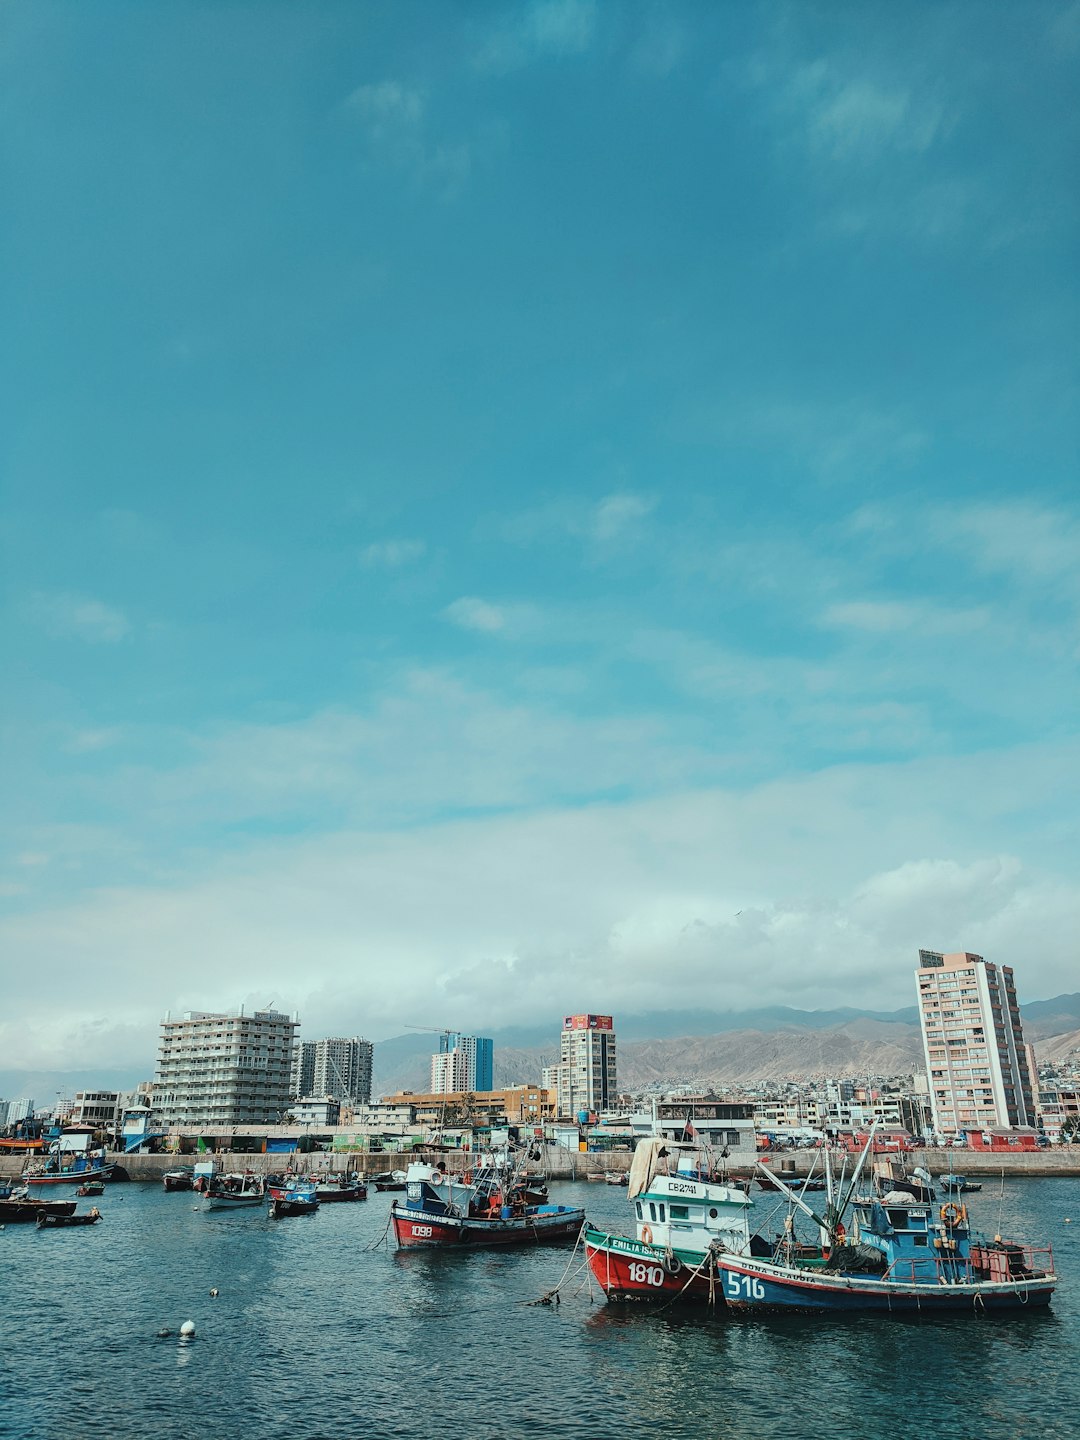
point(235, 1191)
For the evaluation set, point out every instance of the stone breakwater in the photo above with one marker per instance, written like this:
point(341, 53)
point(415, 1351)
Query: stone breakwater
point(561, 1164)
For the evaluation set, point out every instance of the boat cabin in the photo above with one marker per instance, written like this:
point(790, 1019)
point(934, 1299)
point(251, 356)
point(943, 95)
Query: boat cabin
point(679, 1203)
point(916, 1241)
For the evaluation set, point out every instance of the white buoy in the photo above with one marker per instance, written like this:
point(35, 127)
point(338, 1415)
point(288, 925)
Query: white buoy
point(187, 1330)
point(213, 1294)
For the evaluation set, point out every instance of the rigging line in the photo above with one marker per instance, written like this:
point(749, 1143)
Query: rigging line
point(546, 1298)
point(384, 1234)
point(707, 1259)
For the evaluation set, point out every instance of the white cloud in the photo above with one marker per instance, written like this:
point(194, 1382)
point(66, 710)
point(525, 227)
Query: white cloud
point(858, 119)
point(1031, 543)
point(615, 514)
point(80, 617)
point(391, 554)
point(510, 918)
point(85, 742)
point(388, 109)
point(884, 617)
point(471, 613)
point(539, 29)
point(394, 121)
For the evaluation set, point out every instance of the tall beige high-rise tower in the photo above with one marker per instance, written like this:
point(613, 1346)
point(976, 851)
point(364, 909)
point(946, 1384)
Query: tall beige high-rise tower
point(973, 1041)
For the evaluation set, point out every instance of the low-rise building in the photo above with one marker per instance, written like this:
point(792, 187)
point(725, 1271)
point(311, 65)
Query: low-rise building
point(721, 1124)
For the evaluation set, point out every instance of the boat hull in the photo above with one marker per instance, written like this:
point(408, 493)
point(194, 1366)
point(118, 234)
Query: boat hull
point(424, 1230)
point(762, 1286)
point(18, 1212)
point(631, 1271)
point(47, 1221)
point(282, 1209)
point(70, 1177)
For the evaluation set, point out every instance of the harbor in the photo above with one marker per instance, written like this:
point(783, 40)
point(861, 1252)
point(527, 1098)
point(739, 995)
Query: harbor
point(318, 1326)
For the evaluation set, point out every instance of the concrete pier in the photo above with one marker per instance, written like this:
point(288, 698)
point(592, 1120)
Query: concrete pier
point(561, 1164)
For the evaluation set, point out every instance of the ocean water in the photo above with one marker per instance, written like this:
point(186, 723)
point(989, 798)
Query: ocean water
point(321, 1332)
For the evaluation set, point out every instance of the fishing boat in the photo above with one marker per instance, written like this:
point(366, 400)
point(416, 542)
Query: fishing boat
point(616, 1177)
point(957, 1184)
point(480, 1208)
point(768, 1181)
point(893, 1175)
point(178, 1180)
point(23, 1208)
point(235, 1191)
point(389, 1180)
point(50, 1221)
point(298, 1198)
point(91, 1187)
point(686, 1215)
point(335, 1189)
point(901, 1256)
point(67, 1167)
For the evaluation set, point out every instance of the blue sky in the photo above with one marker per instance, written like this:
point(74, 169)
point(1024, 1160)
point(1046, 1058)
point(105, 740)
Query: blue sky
point(510, 508)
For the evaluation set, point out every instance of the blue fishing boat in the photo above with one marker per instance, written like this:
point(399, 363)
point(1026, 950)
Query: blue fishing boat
point(901, 1255)
point(298, 1197)
point(957, 1184)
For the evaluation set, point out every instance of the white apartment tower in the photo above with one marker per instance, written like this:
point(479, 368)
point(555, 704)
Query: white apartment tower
point(586, 1067)
point(217, 1069)
point(464, 1064)
point(974, 1044)
point(338, 1067)
point(342, 1068)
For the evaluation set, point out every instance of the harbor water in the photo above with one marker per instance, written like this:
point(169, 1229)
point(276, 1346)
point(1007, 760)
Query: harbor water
point(319, 1332)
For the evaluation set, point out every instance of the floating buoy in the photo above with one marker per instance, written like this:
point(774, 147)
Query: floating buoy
point(187, 1330)
point(213, 1294)
point(1068, 1219)
point(164, 1334)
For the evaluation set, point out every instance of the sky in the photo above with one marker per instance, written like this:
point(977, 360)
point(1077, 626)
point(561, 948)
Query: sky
point(519, 508)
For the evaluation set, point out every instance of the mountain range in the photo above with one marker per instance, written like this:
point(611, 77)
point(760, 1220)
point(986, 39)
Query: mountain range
point(670, 1048)
point(718, 1048)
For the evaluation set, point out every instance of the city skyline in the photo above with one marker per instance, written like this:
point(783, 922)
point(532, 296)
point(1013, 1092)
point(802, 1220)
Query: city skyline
point(533, 509)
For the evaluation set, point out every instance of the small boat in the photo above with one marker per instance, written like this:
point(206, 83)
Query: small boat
point(441, 1210)
point(235, 1191)
point(389, 1180)
point(892, 1175)
point(49, 1221)
point(178, 1180)
point(957, 1184)
point(616, 1177)
point(91, 1187)
point(299, 1198)
point(334, 1189)
point(69, 1168)
point(23, 1208)
point(768, 1181)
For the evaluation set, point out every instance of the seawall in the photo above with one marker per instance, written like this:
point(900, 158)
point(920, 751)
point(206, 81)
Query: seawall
point(562, 1164)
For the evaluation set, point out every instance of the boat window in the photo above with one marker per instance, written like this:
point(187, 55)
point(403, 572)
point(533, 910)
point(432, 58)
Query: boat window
point(680, 1212)
point(898, 1219)
point(661, 1210)
point(713, 1213)
point(652, 1211)
point(639, 1209)
point(920, 1239)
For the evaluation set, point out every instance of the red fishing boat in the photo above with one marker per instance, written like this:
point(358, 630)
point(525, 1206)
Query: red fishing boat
point(484, 1208)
